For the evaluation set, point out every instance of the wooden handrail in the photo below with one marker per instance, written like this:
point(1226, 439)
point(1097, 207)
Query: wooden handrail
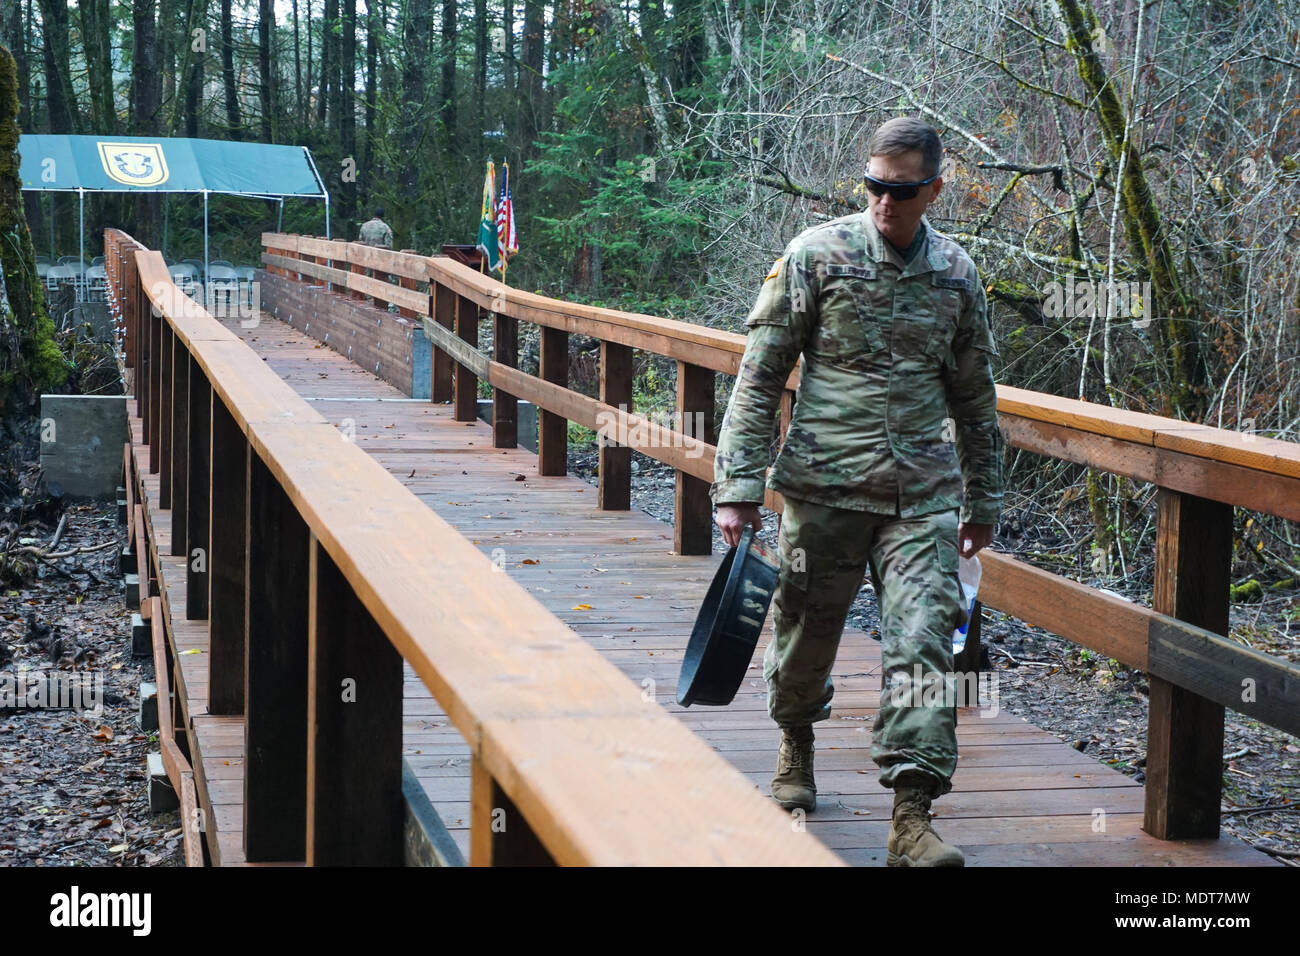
point(535, 702)
point(1199, 470)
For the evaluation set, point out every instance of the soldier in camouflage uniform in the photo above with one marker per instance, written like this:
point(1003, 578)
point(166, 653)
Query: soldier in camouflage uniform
point(376, 232)
point(896, 407)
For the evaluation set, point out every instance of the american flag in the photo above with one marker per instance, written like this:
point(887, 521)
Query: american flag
point(507, 238)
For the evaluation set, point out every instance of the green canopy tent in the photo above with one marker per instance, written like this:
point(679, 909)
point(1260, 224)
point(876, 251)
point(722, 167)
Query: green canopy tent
point(134, 164)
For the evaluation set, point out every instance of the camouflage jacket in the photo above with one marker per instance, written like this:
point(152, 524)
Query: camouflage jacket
point(376, 232)
point(896, 389)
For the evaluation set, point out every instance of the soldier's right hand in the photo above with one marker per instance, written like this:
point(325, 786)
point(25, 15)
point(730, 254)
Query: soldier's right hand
point(732, 519)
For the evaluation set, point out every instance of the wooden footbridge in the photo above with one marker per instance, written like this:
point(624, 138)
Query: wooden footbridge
point(385, 634)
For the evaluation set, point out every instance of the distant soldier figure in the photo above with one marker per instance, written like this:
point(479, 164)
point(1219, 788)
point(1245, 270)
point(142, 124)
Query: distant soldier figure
point(376, 232)
point(895, 429)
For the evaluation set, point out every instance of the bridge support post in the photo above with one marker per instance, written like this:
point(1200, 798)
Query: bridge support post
point(442, 307)
point(498, 833)
point(552, 429)
point(355, 810)
point(615, 479)
point(198, 492)
point(693, 511)
point(227, 562)
point(466, 401)
point(1185, 731)
point(505, 407)
point(275, 672)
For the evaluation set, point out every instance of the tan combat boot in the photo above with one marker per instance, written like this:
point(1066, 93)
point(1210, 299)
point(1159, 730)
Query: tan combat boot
point(793, 785)
point(912, 841)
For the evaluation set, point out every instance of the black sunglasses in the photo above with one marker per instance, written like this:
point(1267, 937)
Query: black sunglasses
point(898, 191)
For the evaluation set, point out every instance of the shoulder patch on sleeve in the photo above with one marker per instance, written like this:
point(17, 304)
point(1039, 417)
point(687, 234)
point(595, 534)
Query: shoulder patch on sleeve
point(776, 269)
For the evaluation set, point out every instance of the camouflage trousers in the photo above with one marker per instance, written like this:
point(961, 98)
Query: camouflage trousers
point(825, 553)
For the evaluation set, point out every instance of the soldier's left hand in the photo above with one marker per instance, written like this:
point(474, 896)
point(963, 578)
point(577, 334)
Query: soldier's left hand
point(972, 537)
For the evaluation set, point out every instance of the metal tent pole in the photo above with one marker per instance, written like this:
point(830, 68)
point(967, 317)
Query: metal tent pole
point(53, 260)
point(205, 249)
point(164, 242)
point(279, 220)
point(81, 219)
point(327, 216)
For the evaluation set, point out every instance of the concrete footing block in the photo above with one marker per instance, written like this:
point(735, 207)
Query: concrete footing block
point(133, 591)
point(148, 706)
point(126, 560)
point(141, 637)
point(162, 796)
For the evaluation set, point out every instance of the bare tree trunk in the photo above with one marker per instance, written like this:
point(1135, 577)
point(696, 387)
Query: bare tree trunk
point(348, 108)
point(96, 19)
point(265, 67)
point(297, 66)
point(374, 29)
point(196, 56)
point(233, 121)
point(417, 37)
point(334, 44)
point(325, 103)
point(480, 66)
point(167, 12)
point(61, 100)
point(447, 93)
point(146, 103)
point(530, 76)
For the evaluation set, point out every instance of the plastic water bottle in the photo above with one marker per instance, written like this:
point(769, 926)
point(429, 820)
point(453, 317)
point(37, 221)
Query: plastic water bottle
point(969, 572)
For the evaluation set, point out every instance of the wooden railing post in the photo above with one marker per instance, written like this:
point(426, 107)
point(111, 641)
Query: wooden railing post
point(128, 286)
point(552, 429)
point(355, 268)
point(227, 563)
point(165, 412)
point(144, 370)
point(505, 407)
point(339, 260)
point(693, 510)
point(180, 444)
point(498, 833)
point(275, 672)
point(198, 497)
point(380, 304)
point(442, 306)
point(614, 489)
point(466, 401)
point(355, 810)
point(1185, 731)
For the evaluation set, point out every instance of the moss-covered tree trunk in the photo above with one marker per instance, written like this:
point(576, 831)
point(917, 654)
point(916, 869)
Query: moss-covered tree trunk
point(1178, 314)
point(30, 361)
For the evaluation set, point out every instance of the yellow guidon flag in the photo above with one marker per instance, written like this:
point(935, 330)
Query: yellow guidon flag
point(488, 242)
